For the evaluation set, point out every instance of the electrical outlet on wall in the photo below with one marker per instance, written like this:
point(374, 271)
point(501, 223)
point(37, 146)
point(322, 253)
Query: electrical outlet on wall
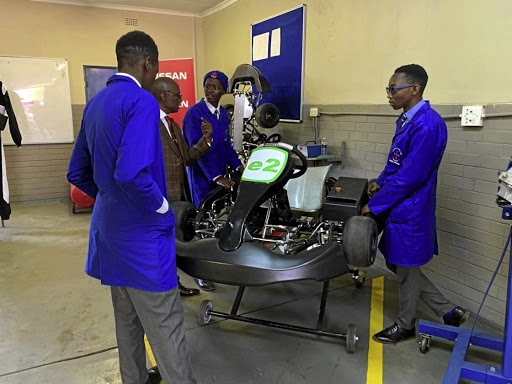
point(472, 116)
point(313, 112)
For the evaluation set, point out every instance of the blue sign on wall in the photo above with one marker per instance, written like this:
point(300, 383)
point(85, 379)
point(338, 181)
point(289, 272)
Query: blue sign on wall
point(278, 52)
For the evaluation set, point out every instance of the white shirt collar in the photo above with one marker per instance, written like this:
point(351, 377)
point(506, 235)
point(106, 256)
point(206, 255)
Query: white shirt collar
point(130, 76)
point(211, 108)
point(164, 120)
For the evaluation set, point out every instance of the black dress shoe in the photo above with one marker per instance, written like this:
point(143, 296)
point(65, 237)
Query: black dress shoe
point(184, 291)
point(154, 375)
point(205, 285)
point(394, 334)
point(456, 317)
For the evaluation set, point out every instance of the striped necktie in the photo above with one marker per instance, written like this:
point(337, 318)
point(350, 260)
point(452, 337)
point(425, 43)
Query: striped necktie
point(401, 120)
point(216, 113)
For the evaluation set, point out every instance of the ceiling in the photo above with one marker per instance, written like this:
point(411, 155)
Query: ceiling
point(180, 7)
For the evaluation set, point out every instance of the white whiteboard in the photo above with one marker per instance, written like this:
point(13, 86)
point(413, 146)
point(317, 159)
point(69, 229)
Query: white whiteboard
point(41, 99)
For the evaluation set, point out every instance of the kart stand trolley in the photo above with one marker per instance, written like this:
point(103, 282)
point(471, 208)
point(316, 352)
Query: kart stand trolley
point(458, 368)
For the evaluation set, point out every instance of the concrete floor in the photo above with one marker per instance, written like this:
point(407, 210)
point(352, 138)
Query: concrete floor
point(57, 323)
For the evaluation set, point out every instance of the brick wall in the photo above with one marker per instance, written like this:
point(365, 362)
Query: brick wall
point(38, 172)
point(470, 232)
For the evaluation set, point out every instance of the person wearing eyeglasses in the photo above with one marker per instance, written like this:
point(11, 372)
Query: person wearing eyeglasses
point(404, 197)
point(210, 170)
point(177, 154)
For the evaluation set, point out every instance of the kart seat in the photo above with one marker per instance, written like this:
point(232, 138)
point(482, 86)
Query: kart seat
point(253, 264)
point(304, 193)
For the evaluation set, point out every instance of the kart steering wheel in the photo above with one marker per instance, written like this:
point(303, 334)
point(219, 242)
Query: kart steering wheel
point(290, 148)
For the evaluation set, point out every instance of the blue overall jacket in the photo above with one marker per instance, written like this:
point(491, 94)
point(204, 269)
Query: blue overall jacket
point(221, 154)
point(408, 193)
point(117, 159)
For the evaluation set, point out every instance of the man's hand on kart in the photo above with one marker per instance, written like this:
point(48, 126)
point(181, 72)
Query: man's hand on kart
point(225, 182)
point(207, 129)
point(365, 210)
point(373, 188)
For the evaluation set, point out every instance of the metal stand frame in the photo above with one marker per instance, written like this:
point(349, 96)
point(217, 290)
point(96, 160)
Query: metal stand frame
point(349, 337)
point(458, 368)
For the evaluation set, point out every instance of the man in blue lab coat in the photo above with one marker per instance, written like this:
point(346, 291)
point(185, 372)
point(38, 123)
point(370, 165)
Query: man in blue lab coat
point(117, 159)
point(405, 195)
point(210, 169)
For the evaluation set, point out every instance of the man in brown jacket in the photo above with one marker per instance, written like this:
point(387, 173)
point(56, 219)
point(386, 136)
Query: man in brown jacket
point(177, 155)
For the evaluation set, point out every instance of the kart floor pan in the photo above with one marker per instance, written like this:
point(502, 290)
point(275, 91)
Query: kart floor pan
point(253, 264)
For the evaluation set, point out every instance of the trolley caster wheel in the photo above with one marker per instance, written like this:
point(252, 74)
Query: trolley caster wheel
point(358, 277)
point(424, 343)
point(204, 312)
point(359, 282)
point(351, 338)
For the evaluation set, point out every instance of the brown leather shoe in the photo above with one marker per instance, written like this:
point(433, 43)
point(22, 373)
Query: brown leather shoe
point(184, 291)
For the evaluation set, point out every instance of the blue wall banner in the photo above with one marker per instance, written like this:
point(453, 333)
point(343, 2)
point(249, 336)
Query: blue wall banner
point(278, 52)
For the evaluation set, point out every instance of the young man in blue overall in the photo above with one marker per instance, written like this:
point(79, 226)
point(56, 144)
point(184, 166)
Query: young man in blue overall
point(210, 170)
point(117, 159)
point(404, 195)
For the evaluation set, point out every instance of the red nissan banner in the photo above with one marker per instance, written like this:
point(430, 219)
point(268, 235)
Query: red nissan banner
point(181, 71)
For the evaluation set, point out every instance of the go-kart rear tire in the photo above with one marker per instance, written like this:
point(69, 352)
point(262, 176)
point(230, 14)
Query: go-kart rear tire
point(204, 316)
point(360, 241)
point(184, 214)
point(230, 109)
point(267, 115)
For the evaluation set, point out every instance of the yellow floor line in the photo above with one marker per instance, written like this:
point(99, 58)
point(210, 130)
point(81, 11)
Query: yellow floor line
point(149, 351)
point(374, 374)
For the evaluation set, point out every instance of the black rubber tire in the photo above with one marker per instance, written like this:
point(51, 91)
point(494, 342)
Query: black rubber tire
point(204, 316)
point(360, 237)
point(267, 115)
point(184, 214)
point(230, 109)
point(351, 341)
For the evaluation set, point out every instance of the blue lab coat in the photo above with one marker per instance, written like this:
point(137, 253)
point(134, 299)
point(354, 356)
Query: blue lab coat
point(213, 163)
point(408, 193)
point(117, 159)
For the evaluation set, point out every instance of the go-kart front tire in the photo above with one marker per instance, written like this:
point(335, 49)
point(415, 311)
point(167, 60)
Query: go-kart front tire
point(184, 214)
point(360, 237)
